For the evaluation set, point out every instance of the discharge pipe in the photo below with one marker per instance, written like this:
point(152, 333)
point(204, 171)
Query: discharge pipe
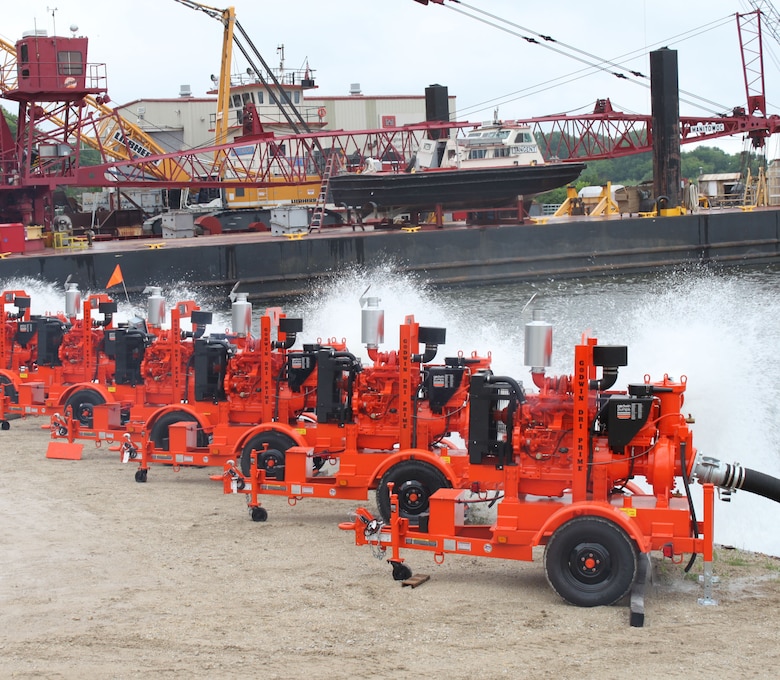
point(734, 476)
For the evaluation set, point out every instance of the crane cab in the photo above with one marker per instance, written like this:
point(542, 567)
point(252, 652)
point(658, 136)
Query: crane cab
point(55, 68)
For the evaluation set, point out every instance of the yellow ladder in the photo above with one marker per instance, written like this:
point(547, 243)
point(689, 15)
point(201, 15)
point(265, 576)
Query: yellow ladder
point(319, 207)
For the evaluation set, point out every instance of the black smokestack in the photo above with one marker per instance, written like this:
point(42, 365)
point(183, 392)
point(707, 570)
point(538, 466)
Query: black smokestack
point(437, 107)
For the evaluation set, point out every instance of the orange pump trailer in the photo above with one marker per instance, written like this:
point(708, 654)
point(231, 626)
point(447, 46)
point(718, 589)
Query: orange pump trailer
point(208, 433)
point(596, 528)
point(345, 459)
point(299, 434)
point(37, 380)
point(104, 410)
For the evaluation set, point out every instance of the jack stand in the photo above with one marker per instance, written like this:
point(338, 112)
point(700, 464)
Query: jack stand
point(707, 579)
point(638, 591)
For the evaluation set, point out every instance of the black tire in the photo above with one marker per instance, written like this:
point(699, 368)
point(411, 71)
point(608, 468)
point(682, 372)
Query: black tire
point(81, 405)
point(414, 483)
point(140, 476)
point(590, 562)
point(258, 514)
point(10, 391)
point(160, 436)
point(272, 459)
point(401, 571)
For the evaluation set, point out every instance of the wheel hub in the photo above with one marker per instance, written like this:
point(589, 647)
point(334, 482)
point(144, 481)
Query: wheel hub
point(412, 496)
point(590, 562)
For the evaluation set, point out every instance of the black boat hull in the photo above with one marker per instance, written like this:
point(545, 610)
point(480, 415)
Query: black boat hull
point(451, 189)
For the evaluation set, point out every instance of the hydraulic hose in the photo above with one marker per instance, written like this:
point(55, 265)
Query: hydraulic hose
point(734, 476)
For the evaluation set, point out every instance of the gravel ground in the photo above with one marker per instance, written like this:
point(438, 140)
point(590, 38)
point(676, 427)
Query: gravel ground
point(101, 577)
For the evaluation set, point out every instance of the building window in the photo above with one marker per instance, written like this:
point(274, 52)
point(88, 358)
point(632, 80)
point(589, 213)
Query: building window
point(70, 63)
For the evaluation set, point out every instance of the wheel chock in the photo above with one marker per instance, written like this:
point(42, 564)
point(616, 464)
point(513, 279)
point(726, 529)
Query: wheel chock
point(416, 580)
point(64, 450)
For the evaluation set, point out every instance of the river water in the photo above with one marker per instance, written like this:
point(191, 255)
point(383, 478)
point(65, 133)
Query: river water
point(719, 329)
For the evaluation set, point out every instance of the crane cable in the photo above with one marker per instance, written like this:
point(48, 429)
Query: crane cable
point(593, 62)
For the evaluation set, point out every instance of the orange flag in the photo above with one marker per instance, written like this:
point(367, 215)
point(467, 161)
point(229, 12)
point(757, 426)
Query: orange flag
point(116, 277)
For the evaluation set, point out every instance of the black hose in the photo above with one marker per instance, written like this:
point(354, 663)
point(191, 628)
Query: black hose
point(430, 353)
point(694, 522)
point(761, 484)
point(609, 377)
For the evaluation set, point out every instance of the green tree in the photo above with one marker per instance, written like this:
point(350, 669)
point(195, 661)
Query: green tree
point(11, 119)
point(637, 168)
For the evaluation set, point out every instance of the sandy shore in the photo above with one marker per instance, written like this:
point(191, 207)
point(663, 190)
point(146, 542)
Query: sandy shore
point(102, 577)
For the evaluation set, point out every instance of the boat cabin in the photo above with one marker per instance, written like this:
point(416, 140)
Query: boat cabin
point(487, 146)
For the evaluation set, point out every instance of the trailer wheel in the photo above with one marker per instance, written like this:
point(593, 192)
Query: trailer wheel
point(258, 514)
point(81, 405)
point(140, 476)
point(160, 436)
point(401, 571)
point(590, 561)
point(10, 391)
point(271, 459)
point(414, 483)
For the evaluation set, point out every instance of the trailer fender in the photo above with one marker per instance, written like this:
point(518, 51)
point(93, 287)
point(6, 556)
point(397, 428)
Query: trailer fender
point(291, 432)
point(285, 429)
point(603, 510)
point(99, 392)
point(411, 454)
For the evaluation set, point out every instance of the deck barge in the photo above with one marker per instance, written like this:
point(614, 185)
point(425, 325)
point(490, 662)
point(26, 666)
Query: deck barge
point(271, 267)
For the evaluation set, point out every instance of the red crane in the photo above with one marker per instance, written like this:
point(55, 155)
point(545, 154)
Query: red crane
point(607, 133)
point(62, 106)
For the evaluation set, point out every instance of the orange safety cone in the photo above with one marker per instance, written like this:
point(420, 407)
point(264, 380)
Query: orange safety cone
point(64, 450)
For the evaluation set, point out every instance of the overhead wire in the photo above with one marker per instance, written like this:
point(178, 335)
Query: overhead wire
point(593, 63)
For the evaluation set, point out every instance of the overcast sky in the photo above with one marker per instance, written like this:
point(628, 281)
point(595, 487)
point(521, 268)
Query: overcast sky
point(390, 47)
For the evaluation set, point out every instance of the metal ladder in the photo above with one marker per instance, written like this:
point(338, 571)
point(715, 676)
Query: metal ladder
point(319, 207)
